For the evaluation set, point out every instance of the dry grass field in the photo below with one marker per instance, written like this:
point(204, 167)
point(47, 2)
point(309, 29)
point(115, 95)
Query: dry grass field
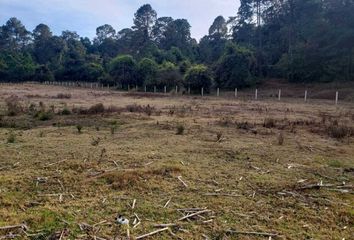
point(210, 168)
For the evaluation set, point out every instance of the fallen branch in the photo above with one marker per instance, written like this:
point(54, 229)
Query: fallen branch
point(222, 194)
point(252, 233)
point(194, 214)
point(152, 233)
point(180, 179)
point(166, 204)
point(162, 225)
point(22, 226)
point(51, 164)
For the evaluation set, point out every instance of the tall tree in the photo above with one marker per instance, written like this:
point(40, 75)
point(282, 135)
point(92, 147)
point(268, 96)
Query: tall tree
point(144, 20)
point(104, 32)
point(14, 36)
point(219, 28)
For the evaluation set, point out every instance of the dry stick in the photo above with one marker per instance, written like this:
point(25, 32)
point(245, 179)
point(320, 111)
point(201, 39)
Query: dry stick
point(222, 194)
point(162, 225)
point(190, 209)
point(193, 214)
point(133, 205)
point(51, 164)
point(136, 225)
point(253, 233)
point(180, 179)
point(137, 217)
point(10, 236)
point(152, 233)
point(166, 204)
point(23, 226)
point(61, 235)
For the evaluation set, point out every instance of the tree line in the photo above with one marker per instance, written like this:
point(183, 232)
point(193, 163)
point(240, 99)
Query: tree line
point(299, 40)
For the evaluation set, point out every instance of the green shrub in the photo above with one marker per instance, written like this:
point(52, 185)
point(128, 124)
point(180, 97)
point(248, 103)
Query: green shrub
point(65, 111)
point(44, 115)
point(79, 128)
point(11, 138)
point(180, 129)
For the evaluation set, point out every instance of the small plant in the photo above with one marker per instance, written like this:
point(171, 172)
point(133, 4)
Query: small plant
point(64, 95)
point(97, 128)
point(113, 127)
point(180, 129)
point(32, 109)
point(65, 111)
point(96, 109)
point(44, 115)
point(13, 105)
point(148, 110)
point(280, 138)
point(11, 138)
point(335, 163)
point(338, 131)
point(219, 137)
point(95, 141)
point(41, 134)
point(269, 123)
point(243, 125)
point(79, 128)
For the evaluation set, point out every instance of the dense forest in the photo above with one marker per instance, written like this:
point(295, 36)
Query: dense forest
point(299, 40)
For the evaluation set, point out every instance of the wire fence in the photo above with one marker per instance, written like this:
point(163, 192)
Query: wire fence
point(254, 94)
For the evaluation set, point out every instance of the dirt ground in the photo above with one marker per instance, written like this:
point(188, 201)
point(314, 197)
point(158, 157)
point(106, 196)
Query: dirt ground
point(209, 168)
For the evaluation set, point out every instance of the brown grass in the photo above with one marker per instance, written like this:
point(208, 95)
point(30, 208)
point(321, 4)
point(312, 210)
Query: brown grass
point(248, 179)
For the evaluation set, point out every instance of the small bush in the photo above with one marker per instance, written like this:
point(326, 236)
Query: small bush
point(44, 115)
point(339, 131)
point(335, 163)
point(180, 129)
point(41, 134)
point(64, 95)
point(13, 105)
point(269, 123)
point(79, 128)
point(113, 129)
point(11, 138)
point(243, 125)
point(96, 109)
point(135, 108)
point(95, 141)
point(65, 111)
point(218, 136)
point(280, 138)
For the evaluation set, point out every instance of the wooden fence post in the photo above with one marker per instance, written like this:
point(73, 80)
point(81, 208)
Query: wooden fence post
point(305, 97)
point(279, 94)
point(256, 94)
point(217, 92)
point(202, 92)
point(337, 96)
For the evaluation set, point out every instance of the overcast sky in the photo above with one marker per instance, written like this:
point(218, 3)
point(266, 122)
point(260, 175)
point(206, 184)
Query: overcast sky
point(84, 16)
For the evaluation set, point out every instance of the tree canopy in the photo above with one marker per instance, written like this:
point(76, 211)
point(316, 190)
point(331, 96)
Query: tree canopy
point(298, 40)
